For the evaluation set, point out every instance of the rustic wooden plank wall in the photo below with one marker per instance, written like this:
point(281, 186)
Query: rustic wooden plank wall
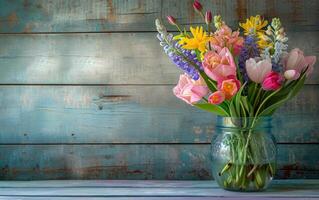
point(85, 91)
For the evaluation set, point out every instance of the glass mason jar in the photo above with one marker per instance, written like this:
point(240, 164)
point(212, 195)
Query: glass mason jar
point(243, 153)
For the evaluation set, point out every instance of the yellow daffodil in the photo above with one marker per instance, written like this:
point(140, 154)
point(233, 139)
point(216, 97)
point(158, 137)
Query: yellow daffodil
point(254, 25)
point(198, 40)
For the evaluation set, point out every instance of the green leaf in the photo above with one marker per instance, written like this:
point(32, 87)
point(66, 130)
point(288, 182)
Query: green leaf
point(232, 110)
point(235, 107)
point(198, 54)
point(225, 106)
point(212, 108)
point(209, 82)
point(247, 105)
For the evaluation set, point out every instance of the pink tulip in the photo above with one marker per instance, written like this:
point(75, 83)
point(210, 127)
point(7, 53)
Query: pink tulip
point(229, 86)
point(216, 98)
point(291, 74)
point(296, 60)
point(273, 81)
point(257, 71)
point(219, 65)
point(190, 90)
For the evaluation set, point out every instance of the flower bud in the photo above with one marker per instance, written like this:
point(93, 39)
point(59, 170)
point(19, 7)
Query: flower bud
point(276, 24)
point(280, 37)
point(285, 39)
point(218, 22)
point(171, 20)
point(266, 38)
point(291, 74)
point(197, 6)
point(208, 17)
point(268, 31)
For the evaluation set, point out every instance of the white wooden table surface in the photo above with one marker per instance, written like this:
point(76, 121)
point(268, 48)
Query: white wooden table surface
point(147, 190)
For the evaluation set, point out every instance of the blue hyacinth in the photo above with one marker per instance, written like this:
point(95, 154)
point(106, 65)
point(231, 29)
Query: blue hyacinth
point(249, 50)
point(280, 49)
point(170, 47)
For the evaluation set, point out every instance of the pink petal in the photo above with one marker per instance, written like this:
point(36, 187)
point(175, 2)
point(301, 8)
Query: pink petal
point(200, 90)
point(310, 61)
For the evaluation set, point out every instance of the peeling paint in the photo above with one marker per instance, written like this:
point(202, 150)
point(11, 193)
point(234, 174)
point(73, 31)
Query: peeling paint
point(241, 9)
point(111, 15)
point(12, 19)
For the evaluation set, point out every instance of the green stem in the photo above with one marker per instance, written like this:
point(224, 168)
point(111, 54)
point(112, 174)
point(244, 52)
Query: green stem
point(256, 100)
point(202, 15)
point(208, 30)
point(179, 29)
point(252, 98)
point(252, 126)
point(265, 100)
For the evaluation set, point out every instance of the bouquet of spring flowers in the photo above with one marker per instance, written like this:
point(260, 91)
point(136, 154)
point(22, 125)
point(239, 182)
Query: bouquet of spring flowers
point(234, 74)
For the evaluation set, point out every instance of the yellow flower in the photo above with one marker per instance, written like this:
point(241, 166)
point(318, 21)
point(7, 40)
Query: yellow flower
point(254, 25)
point(264, 41)
point(198, 41)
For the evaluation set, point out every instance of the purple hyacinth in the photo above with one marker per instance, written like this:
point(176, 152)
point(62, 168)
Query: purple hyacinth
point(170, 50)
point(249, 50)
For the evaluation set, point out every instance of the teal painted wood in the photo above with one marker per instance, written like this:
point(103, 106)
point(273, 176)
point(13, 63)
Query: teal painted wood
point(138, 15)
point(162, 161)
point(92, 59)
point(129, 114)
point(122, 113)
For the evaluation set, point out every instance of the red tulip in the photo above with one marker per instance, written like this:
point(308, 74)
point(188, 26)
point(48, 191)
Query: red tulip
point(208, 17)
point(197, 6)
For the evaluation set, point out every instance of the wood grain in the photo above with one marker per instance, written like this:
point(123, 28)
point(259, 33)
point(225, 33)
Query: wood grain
point(279, 189)
point(34, 162)
point(105, 58)
point(129, 114)
point(151, 190)
point(136, 15)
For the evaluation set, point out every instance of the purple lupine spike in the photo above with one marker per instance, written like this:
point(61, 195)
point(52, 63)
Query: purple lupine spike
point(179, 60)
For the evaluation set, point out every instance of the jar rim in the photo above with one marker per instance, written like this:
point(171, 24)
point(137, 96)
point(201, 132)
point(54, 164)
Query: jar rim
point(239, 118)
point(244, 122)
